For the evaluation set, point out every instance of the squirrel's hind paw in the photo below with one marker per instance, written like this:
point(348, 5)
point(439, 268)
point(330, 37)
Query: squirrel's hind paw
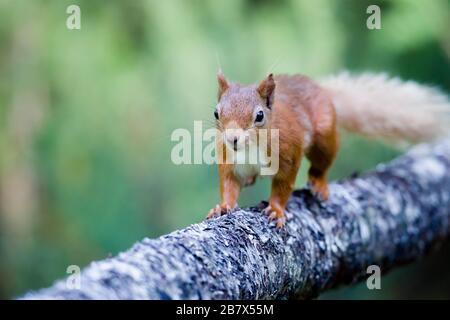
point(319, 188)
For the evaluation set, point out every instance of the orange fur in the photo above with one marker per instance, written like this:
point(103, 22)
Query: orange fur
point(307, 114)
point(306, 119)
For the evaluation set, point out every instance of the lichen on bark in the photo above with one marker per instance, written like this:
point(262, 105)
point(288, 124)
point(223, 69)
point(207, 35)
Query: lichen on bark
point(389, 216)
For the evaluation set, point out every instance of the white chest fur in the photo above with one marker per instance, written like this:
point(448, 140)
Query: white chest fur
point(249, 161)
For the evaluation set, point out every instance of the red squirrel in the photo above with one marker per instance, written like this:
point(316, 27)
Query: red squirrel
point(306, 115)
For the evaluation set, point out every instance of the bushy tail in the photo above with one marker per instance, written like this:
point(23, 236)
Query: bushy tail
point(379, 106)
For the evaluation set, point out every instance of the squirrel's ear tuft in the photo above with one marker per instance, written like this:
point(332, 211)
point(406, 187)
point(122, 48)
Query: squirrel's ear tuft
point(266, 90)
point(223, 84)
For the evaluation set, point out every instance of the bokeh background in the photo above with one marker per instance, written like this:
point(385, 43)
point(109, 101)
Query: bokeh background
point(86, 116)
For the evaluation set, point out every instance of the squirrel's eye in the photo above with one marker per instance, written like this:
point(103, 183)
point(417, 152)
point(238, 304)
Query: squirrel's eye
point(259, 116)
point(216, 114)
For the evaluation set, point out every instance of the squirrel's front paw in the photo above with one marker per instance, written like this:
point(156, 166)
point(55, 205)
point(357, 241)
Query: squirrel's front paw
point(277, 214)
point(219, 210)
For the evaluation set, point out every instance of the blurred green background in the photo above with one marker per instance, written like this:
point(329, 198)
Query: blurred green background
point(86, 116)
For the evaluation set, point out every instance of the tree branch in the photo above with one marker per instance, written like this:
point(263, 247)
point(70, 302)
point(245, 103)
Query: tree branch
point(388, 217)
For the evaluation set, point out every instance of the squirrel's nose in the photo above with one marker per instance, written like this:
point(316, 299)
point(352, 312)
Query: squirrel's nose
point(233, 141)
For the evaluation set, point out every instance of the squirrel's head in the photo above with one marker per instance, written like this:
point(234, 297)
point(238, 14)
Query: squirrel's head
point(243, 110)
